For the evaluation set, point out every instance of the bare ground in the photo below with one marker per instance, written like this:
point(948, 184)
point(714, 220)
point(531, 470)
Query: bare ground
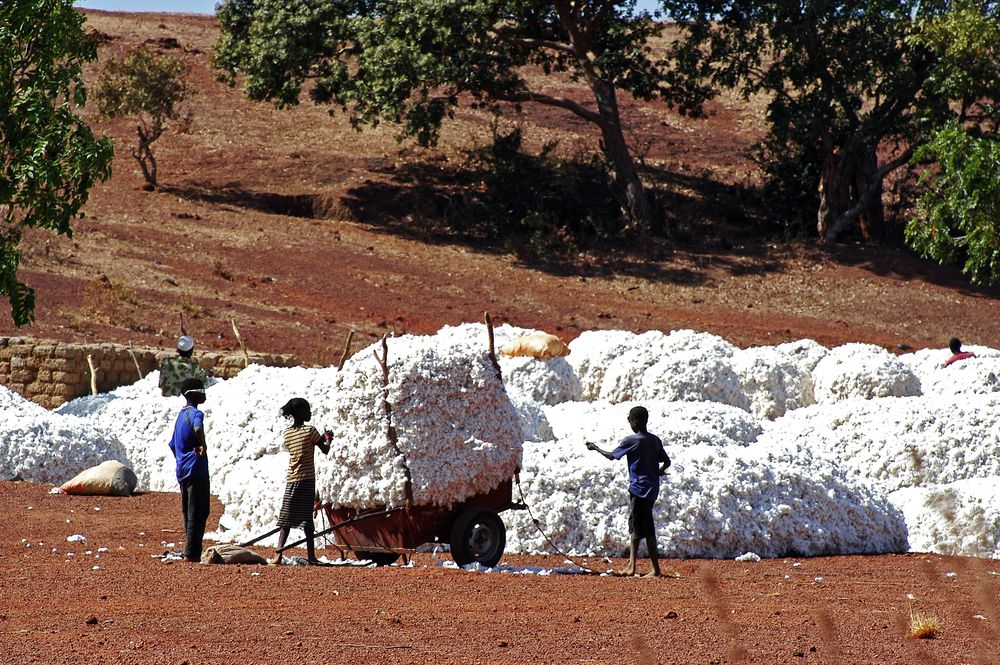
point(64, 602)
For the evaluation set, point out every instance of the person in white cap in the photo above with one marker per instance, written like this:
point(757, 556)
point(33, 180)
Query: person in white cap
point(173, 371)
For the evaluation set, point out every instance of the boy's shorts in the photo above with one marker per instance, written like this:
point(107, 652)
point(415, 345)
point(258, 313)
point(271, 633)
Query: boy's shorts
point(640, 516)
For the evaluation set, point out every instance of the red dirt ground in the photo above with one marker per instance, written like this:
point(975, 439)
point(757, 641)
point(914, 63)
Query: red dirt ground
point(215, 244)
point(57, 608)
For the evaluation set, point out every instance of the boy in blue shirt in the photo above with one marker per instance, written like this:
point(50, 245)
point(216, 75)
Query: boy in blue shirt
point(647, 461)
point(188, 447)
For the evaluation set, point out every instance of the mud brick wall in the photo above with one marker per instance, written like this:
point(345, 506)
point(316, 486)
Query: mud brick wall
point(52, 373)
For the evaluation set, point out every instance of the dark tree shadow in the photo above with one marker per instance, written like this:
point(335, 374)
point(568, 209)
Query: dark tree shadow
point(716, 225)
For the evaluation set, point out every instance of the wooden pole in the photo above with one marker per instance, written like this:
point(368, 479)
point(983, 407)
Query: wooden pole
point(383, 360)
point(134, 359)
point(93, 374)
point(246, 356)
point(493, 351)
point(347, 349)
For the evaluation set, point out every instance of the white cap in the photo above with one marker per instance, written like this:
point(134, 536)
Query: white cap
point(185, 343)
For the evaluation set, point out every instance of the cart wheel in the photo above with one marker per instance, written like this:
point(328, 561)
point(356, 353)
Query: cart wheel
point(378, 558)
point(478, 535)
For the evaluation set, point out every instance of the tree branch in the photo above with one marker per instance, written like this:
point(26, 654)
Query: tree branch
point(548, 100)
point(502, 34)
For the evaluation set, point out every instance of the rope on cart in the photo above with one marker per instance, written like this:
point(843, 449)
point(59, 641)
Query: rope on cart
point(538, 525)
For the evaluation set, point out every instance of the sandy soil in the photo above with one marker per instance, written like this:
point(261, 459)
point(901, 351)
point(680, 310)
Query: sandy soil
point(63, 602)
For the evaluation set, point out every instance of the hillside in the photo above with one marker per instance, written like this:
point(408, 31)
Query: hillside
point(300, 228)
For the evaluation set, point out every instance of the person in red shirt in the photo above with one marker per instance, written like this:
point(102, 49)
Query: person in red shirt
point(956, 352)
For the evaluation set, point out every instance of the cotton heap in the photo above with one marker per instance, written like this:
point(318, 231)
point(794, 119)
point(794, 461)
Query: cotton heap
point(682, 366)
point(973, 376)
point(862, 371)
point(43, 447)
point(894, 443)
point(715, 502)
point(458, 433)
point(959, 519)
point(773, 381)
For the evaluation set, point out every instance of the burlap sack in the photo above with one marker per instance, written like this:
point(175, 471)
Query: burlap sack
point(229, 553)
point(537, 345)
point(111, 478)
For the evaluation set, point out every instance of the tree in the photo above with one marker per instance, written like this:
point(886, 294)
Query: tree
point(412, 62)
point(49, 158)
point(147, 86)
point(958, 218)
point(856, 86)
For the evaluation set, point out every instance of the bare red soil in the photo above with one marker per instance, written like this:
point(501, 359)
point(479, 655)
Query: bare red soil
point(63, 602)
point(300, 229)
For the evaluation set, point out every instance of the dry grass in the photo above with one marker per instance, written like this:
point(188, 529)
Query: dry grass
point(924, 627)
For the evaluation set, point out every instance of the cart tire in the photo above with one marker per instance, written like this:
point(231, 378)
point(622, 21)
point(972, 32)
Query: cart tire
point(478, 535)
point(378, 558)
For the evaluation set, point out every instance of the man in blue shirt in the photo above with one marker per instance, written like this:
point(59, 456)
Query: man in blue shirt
point(188, 447)
point(647, 461)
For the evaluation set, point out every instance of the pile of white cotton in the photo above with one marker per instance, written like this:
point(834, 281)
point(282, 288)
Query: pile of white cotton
point(783, 450)
point(43, 447)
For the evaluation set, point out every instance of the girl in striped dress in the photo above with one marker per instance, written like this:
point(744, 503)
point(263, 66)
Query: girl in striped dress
point(300, 490)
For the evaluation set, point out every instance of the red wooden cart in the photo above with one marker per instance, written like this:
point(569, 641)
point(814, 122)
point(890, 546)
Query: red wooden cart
point(472, 529)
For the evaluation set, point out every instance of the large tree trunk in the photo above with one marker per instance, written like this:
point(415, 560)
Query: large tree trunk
point(628, 185)
point(869, 184)
point(850, 192)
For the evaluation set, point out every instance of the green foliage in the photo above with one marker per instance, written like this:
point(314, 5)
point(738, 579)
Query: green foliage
point(408, 62)
point(848, 81)
point(965, 43)
point(412, 63)
point(958, 216)
point(49, 158)
point(148, 87)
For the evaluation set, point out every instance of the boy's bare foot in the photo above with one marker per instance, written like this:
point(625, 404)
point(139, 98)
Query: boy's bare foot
point(654, 573)
point(627, 572)
point(316, 562)
point(276, 561)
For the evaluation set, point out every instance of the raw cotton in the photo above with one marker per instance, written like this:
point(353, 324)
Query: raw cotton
point(958, 519)
point(714, 502)
point(547, 381)
point(592, 352)
point(807, 352)
point(43, 447)
point(862, 370)
point(972, 376)
point(678, 424)
point(899, 442)
point(684, 365)
point(540, 380)
point(534, 423)
point(773, 381)
point(458, 432)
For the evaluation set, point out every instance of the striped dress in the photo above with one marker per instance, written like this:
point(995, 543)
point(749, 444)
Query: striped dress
point(300, 490)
